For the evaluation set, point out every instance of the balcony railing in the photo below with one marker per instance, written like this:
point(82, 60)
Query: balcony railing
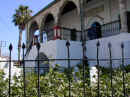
point(108, 29)
point(111, 28)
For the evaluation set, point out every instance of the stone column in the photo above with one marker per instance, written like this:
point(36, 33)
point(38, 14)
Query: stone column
point(123, 15)
point(41, 36)
point(107, 11)
point(41, 30)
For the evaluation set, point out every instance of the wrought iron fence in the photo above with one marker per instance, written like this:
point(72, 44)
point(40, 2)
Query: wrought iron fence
point(66, 82)
point(45, 81)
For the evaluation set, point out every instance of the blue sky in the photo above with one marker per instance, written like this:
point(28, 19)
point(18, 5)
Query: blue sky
point(8, 32)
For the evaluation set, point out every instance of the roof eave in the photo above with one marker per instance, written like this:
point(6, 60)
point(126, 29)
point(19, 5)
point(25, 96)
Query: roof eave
point(46, 7)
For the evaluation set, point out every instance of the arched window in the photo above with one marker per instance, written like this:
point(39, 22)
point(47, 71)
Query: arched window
point(94, 31)
point(47, 26)
point(34, 30)
point(69, 18)
point(68, 7)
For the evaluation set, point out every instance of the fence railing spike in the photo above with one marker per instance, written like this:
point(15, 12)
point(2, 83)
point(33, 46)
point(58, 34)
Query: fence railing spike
point(23, 46)
point(122, 45)
point(10, 47)
point(67, 43)
point(98, 44)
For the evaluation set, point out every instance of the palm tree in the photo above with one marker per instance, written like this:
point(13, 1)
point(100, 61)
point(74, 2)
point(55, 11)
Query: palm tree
point(20, 18)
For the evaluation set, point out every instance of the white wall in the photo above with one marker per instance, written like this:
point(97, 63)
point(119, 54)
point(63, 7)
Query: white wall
point(49, 49)
point(57, 49)
point(5, 67)
point(62, 52)
point(104, 51)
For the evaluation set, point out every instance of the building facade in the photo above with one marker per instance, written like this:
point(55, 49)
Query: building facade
point(66, 13)
point(61, 21)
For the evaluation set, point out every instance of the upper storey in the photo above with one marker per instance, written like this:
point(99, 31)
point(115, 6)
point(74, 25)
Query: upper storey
point(66, 14)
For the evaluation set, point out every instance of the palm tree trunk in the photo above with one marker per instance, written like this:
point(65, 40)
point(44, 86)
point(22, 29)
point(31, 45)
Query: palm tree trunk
point(19, 44)
point(123, 15)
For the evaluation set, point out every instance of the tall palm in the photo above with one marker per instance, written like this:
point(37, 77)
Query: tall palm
point(20, 18)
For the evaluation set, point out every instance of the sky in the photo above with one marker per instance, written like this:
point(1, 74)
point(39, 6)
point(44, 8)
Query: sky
point(9, 32)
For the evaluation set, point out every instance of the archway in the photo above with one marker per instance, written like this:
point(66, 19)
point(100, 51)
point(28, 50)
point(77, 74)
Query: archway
point(34, 30)
point(69, 18)
point(94, 32)
point(47, 27)
point(43, 63)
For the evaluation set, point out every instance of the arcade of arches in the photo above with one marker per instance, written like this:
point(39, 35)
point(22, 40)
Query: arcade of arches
point(66, 14)
point(52, 26)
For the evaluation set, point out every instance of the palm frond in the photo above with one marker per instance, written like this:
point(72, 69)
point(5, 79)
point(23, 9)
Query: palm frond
point(21, 16)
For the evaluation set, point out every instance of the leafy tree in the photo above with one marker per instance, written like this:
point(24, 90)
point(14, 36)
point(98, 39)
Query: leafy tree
point(3, 85)
point(55, 84)
point(17, 86)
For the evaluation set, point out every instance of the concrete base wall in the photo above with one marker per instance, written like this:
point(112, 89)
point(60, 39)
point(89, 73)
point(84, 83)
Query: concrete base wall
point(57, 50)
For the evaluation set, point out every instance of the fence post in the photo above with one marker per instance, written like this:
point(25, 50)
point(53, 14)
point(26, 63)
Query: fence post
point(98, 85)
point(84, 56)
point(123, 75)
point(10, 50)
point(24, 80)
point(111, 68)
point(69, 67)
point(38, 48)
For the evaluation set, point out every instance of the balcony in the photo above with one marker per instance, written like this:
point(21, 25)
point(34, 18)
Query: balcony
point(112, 28)
point(107, 30)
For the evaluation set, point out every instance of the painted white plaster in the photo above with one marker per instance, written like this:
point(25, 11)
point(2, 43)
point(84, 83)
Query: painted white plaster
point(15, 71)
point(57, 49)
point(104, 51)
